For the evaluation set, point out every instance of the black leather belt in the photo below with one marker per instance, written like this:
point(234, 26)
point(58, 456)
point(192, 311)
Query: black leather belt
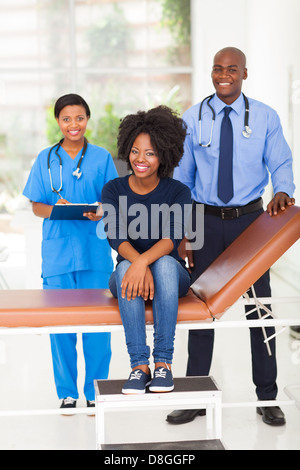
point(229, 213)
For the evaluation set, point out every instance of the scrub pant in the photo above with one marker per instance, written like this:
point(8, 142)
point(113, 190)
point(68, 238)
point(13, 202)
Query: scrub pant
point(96, 346)
point(218, 234)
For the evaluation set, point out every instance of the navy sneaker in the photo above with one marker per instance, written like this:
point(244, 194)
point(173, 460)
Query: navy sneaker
point(137, 382)
point(162, 380)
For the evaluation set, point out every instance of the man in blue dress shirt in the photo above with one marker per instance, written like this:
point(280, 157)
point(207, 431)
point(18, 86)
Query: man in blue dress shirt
point(249, 159)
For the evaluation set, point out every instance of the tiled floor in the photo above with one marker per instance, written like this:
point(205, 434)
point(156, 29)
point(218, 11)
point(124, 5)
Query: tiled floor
point(27, 383)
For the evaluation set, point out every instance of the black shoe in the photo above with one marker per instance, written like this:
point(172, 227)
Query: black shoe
point(272, 415)
point(184, 416)
point(68, 403)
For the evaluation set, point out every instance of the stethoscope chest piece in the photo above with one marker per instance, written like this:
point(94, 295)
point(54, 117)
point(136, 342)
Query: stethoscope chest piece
point(77, 173)
point(247, 132)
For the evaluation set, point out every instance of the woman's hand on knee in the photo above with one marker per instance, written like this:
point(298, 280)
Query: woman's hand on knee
point(134, 279)
point(148, 292)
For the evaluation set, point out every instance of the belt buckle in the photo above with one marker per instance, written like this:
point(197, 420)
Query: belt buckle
point(226, 216)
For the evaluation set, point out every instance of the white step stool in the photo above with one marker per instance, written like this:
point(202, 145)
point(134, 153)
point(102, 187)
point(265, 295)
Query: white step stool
point(189, 393)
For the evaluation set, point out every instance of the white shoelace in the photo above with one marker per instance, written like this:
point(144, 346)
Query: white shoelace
point(69, 401)
point(161, 373)
point(136, 375)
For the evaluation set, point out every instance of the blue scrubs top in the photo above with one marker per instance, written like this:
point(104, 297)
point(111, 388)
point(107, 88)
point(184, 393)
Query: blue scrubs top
point(72, 245)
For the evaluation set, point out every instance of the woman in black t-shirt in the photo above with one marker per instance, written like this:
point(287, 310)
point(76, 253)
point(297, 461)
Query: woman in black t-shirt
point(144, 220)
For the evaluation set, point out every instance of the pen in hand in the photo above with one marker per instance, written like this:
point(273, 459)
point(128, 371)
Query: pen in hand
point(62, 200)
point(58, 193)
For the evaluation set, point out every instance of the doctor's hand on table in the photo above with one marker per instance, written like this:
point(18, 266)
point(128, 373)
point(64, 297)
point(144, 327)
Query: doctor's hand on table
point(279, 202)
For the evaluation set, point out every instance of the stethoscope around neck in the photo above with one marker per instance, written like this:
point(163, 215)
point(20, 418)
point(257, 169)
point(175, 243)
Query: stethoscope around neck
point(246, 131)
point(77, 173)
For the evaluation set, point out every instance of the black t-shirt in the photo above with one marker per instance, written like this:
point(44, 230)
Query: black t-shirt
point(143, 220)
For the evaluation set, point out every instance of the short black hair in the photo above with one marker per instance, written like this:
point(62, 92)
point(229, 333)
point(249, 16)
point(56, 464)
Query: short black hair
point(167, 133)
point(70, 100)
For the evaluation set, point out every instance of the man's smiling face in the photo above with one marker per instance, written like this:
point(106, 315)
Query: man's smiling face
point(227, 75)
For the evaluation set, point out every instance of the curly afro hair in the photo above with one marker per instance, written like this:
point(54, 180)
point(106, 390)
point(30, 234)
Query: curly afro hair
point(167, 133)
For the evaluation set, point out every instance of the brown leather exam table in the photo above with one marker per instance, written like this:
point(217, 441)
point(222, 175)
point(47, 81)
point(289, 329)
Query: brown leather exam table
point(228, 278)
point(225, 281)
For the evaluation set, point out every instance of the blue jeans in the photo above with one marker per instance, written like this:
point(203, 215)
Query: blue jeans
point(171, 281)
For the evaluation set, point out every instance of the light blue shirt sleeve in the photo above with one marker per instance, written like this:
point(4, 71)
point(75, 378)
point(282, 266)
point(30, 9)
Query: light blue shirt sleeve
point(264, 153)
point(278, 157)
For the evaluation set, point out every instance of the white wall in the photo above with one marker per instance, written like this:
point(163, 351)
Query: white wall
point(215, 24)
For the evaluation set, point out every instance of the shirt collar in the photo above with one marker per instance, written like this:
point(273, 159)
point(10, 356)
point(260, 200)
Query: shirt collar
point(219, 105)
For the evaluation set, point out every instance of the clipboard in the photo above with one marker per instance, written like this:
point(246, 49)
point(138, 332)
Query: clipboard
point(72, 211)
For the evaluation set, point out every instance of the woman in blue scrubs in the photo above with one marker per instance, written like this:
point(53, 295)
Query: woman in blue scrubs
point(73, 257)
